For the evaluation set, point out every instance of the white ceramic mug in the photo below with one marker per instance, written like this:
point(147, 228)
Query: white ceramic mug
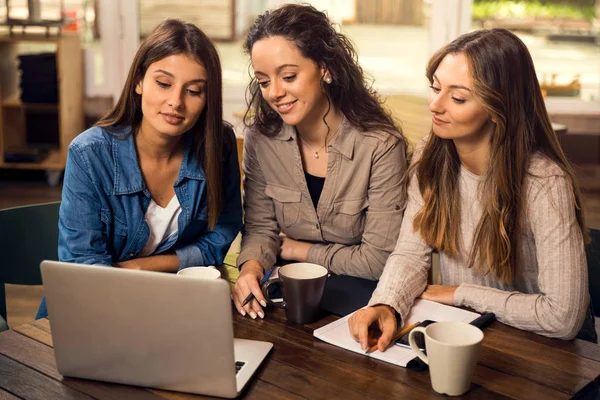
point(209, 272)
point(452, 351)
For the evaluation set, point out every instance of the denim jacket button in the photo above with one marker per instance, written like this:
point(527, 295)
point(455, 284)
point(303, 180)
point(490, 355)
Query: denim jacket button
point(131, 254)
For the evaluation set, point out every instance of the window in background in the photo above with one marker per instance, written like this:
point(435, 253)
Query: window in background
point(562, 36)
point(392, 40)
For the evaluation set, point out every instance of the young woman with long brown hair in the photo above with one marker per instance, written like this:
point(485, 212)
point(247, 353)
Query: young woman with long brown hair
point(492, 191)
point(155, 184)
point(323, 161)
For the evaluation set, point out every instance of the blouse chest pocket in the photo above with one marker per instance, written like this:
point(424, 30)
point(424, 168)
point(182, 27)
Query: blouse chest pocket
point(286, 203)
point(116, 232)
point(349, 216)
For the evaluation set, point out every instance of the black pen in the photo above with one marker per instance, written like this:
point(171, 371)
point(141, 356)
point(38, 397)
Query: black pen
point(264, 279)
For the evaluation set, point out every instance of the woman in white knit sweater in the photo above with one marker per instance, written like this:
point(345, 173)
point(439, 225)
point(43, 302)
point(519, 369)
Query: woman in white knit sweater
point(492, 191)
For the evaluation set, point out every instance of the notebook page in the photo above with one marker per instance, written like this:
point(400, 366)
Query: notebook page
point(338, 333)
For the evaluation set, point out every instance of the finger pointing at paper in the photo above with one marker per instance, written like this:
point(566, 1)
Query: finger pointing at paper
point(382, 317)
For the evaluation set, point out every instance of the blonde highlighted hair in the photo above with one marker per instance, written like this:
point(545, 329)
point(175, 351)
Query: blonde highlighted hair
point(505, 82)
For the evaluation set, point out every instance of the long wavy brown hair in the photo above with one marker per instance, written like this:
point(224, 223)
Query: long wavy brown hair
point(316, 38)
point(172, 37)
point(505, 82)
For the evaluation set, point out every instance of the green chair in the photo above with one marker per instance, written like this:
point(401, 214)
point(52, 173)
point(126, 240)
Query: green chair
point(28, 235)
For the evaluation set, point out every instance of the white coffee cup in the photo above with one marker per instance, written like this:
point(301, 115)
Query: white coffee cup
point(452, 351)
point(209, 272)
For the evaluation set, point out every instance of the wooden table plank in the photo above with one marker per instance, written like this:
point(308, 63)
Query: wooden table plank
point(25, 382)
point(532, 370)
point(550, 356)
point(259, 390)
point(297, 380)
point(7, 396)
point(579, 347)
point(166, 394)
point(513, 386)
point(38, 330)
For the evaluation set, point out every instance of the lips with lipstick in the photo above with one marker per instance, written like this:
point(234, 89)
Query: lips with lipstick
point(173, 119)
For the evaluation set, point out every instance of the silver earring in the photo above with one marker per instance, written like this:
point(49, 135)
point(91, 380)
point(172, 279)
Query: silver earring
point(328, 79)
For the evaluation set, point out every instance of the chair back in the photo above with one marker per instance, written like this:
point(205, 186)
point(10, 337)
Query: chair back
point(593, 260)
point(28, 235)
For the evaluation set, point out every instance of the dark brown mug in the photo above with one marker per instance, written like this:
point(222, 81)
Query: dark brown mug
point(302, 286)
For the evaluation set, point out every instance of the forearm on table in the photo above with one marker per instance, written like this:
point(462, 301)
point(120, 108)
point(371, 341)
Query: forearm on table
point(538, 313)
point(363, 260)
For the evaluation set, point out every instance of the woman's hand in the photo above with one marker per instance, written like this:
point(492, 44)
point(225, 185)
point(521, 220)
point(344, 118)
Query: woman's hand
point(294, 250)
point(439, 294)
point(363, 321)
point(249, 282)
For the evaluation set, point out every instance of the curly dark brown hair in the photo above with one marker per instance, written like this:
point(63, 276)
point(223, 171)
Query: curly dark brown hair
point(316, 38)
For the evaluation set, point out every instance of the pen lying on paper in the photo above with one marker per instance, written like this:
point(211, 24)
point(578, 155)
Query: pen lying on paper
point(264, 279)
point(396, 336)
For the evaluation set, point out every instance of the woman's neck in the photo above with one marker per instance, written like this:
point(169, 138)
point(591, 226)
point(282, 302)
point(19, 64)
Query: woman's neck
point(315, 132)
point(474, 153)
point(161, 149)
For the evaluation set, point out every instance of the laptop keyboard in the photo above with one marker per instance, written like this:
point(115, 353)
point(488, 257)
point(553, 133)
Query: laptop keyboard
point(238, 366)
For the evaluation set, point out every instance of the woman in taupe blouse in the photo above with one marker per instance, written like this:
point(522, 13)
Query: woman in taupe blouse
point(323, 162)
point(492, 191)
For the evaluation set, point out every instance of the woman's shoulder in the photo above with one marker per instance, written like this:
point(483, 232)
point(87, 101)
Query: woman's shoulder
point(544, 173)
point(95, 137)
point(378, 137)
point(542, 167)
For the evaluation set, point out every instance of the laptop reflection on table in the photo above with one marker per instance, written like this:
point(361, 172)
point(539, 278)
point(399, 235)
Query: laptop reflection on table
point(147, 329)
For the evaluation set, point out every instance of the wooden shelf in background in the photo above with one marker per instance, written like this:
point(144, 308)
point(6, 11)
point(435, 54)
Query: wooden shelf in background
point(53, 161)
point(17, 103)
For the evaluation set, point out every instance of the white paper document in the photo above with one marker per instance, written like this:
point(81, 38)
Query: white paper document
point(337, 332)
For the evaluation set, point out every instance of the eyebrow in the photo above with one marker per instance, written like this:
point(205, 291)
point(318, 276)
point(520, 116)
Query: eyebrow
point(452, 86)
point(277, 69)
point(162, 71)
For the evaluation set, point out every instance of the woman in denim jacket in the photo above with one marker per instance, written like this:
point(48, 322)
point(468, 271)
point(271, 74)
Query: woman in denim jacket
point(155, 184)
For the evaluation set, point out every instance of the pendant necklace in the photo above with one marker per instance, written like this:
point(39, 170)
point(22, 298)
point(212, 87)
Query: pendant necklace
point(310, 147)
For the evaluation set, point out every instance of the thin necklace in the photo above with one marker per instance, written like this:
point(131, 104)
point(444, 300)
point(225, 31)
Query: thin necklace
point(326, 138)
point(311, 148)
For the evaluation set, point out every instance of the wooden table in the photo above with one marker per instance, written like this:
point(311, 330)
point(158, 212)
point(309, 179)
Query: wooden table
point(513, 364)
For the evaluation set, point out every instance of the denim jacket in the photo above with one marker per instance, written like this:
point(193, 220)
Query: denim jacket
point(104, 201)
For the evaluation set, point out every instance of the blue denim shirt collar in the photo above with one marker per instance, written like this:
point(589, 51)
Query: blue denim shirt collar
point(128, 176)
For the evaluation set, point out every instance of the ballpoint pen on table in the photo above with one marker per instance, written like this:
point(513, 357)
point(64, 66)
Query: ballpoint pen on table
point(264, 279)
point(395, 337)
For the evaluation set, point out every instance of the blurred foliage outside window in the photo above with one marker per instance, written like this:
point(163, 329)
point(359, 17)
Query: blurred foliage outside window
point(574, 9)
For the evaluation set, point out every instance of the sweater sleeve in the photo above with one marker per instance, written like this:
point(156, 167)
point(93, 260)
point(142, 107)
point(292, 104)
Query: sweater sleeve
point(559, 309)
point(405, 273)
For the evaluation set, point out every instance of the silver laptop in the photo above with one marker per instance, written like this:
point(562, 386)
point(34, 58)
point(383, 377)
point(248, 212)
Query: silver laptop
point(147, 329)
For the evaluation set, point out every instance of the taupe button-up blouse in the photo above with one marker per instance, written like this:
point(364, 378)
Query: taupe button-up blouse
point(357, 220)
